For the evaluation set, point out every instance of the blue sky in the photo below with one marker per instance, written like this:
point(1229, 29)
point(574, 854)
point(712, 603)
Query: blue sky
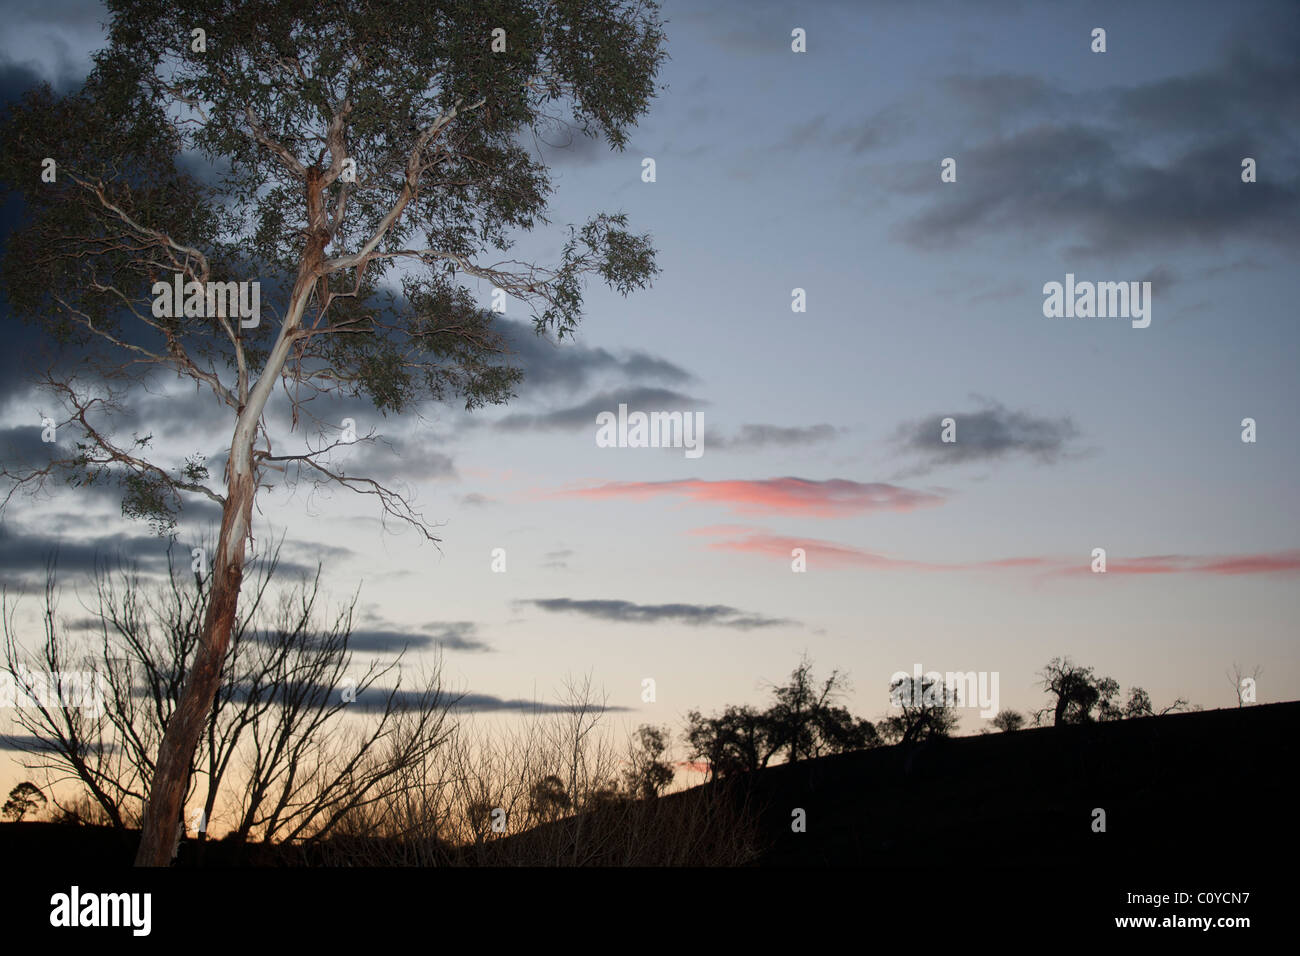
point(820, 171)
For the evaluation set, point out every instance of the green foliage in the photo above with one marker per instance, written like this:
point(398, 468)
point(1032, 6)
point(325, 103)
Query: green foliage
point(438, 125)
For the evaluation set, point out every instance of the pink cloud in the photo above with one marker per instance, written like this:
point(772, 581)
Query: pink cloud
point(818, 552)
point(832, 554)
point(832, 498)
point(696, 766)
point(1277, 562)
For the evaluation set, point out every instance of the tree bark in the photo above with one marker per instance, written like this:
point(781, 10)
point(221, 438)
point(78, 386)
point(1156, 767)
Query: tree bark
point(176, 752)
point(181, 738)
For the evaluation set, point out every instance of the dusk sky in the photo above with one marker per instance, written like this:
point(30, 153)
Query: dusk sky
point(820, 171)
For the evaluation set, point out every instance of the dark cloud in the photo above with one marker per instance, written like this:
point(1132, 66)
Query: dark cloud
point(1156, 164)
point(406, 459)
point(447, 635)
point(457, 636)
point(15, 80)
point(84, 624)
point(54, 38)
point(856, 136)
point(24, 554)
point(996, 95)
point(565, 144)
point(1162, 279)
point(1246, 93)
point(571, 367)
point(486, 703)
point(752, 437)
point(21, 447)
point(25, 743)
point(375, 699)
point(989, 434)
point(557, 559)
point(584, 415)
point(696, 615)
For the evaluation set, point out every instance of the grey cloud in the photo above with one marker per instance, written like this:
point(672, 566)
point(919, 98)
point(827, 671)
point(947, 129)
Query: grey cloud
point(407, 459)
point(565, 144)
point(557, 559)
point(375, 699)
point(27, 553)
point(996, 95)
point(696, 615)
point(24, 555)
point(1095, 173)
point(26, 743)
point(487, 703)
point(570, 367)
point(21, 447)
point(1162, 279)
point(393, 639)
point(752, 437)
point(991, 433)
point(854, 137)
point(584, 415)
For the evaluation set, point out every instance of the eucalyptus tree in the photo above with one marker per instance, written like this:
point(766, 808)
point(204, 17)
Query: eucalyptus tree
point(345, 167)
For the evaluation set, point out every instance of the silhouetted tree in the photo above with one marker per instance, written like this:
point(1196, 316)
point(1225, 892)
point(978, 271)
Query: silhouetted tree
point(649, 772)
point(1238, 678)
point(1139, 705)
point(805, 721)
point(1082, 697)
point(23, 799)
point(1077, 692)
point(80, 811)
point(740, 739)
point(1008, 721)
point(279, 714)
point(549, 799)
point(478, 816)
point(345, 144)
point(926, 710)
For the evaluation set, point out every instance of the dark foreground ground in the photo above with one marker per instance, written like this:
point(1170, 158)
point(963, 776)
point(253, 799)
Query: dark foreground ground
point(1208, 789)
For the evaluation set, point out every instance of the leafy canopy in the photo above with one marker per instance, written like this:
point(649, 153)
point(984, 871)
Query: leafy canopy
point(227, 158)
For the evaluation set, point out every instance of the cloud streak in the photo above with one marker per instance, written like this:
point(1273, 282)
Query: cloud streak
point(830, 554)
point(694, 615)
point(753, 437)
point(832, 498)
point(584, 414)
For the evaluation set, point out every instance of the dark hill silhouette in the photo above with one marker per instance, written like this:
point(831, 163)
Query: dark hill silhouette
point(1199, 789)
point(1196, 789)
